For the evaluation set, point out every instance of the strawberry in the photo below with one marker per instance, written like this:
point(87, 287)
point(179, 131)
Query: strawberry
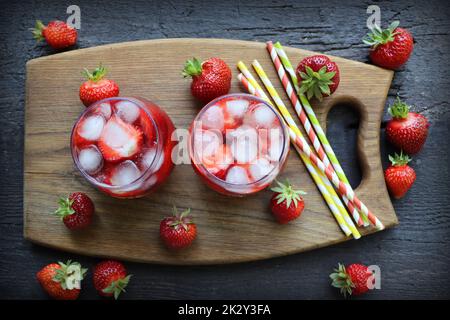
point(407, 130)
point(58, 34)
point(76, 211)
point(391, 47)
point(399, 176)
point(110, 278)
point(97, 87)
point(286, 204)
point(62, 281)
point(318, 76)
point(120, 140)
point(352, 279)
point(210, 79)
point(178, 231)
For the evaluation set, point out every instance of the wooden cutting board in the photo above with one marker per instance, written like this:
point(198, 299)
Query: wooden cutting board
point(230, 229)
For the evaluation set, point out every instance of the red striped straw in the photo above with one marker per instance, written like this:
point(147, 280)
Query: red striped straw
point(306, 124)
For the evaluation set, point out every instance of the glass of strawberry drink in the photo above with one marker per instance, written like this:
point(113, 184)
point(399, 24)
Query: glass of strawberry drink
point(123, 146)
point(238, 144)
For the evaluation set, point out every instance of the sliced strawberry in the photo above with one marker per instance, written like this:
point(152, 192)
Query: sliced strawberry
point(219, 163)
point(119, 140)
point(147, 128)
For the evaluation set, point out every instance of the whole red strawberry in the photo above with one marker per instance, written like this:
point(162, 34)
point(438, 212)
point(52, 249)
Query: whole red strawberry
point(406, 130)
point(110, 278)
point(352, 280)
point(399, 176)
point(58, 34)
point(391, 47)
point(286, 204)
point(76, 211)
point(318, 76)
point(62, 281)
point(210, 79)
point(178, 231)
point(97, 87)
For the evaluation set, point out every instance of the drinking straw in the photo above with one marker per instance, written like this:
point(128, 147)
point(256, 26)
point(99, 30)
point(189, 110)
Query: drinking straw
point(317, 176)
point(294, 127)
point(344, 188)
point(305, 107)
point(306, 124)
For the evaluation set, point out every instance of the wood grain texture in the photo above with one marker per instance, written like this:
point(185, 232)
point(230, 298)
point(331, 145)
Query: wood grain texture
point(414, 257)
point(230, 229)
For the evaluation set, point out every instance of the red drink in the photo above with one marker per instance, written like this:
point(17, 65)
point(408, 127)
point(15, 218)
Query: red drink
point(238, 144)
point(123, 146)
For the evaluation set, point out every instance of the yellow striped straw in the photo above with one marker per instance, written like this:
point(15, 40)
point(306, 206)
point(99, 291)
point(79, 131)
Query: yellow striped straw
point(287, 116)
point(312, 117)
point(254, 88)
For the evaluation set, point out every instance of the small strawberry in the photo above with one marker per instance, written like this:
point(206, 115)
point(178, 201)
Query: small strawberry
point(210, 79)
point(286, 204)
point(352, 279)
point(62, 281)
point(97, 87)
point(318, 76)
point(399, 176)
point(110, 278)
point(76, 211)
point(407, 130)
point(178, 231)
point(391, 47)
point(58, 34)
point(120, 140)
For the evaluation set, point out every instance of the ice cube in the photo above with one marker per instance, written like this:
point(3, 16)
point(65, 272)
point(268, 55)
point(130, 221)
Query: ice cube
point(275, 144)
point(91, 127)
point(90, 159)
point(213, 118)
point(127, 111)
point(117, 137)
point(264, 116)
point(105, 109)
point(237, 108)
point(237, 175)
point(147, 159)
point(244, 144)
point(125, 173)
point(260, 168)
point(207, 142)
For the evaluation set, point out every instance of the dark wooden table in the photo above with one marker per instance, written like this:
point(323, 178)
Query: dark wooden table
point(414, 257)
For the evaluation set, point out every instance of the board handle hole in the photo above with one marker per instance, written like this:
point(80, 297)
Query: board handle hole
point(342, 131)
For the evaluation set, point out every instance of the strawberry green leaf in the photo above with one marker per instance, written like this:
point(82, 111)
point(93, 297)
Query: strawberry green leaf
point(399, 109)
point(285, 192)
point(65, 208)
point(378, 36)
point(399, 159)
point(192, 68)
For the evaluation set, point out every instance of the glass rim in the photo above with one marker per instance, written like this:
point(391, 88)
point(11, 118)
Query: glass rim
point(281, 159)
point(91, 179)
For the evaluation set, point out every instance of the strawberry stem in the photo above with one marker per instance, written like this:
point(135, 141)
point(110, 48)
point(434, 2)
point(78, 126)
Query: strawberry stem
point(65, 208)
point(399, 159)
point(379, 36)
point(118, 286)
point(317, 83)
point(37, 30)
point(287, 193)
point(399, 110)
point(69, 275)
point(95, 75)
point(192, 68)
point(342, 280)
point(183, 219)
